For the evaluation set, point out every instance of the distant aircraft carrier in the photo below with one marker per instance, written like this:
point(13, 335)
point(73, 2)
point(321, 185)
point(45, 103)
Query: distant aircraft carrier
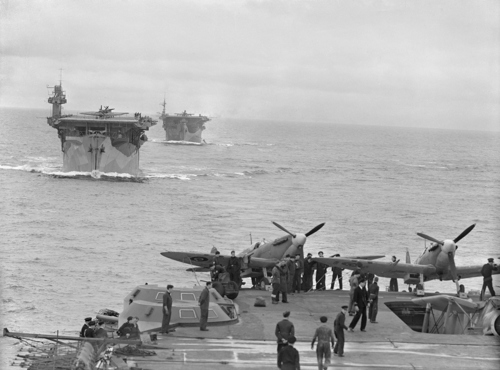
point(183, 127)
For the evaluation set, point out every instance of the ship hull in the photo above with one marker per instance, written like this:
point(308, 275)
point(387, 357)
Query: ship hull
point(99, 153)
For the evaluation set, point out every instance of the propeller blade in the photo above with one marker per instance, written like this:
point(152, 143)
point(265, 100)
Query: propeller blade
point(430, 238)
point(315, 229)
point(453, 268)
point(282, 228)
point(464, 233)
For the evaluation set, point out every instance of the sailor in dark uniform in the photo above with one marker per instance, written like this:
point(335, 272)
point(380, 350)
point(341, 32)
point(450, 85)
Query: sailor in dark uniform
point(289, 358)
point(233, 267)
point(487, 279)
point(85, 326)
point(338, 328)
point(284, 331)
point(100, 332)
point(89, 332)
point(167, 310)
point(126, 329)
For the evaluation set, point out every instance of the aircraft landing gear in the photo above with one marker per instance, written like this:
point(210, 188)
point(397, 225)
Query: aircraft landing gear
point(420, 289)
point(262, 283)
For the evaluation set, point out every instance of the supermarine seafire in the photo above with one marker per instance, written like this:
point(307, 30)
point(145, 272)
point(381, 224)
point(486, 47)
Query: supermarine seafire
point(103, 141)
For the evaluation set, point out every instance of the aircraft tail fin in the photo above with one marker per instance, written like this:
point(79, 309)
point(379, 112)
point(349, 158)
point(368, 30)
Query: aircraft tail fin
point(408, 259)
point(213, 250)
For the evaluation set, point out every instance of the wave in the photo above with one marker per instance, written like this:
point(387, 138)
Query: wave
point(21, 309)
point(256, 172)
point(94, 175)
point(185, 177)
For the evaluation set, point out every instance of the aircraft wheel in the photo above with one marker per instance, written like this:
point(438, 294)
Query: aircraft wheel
point(262, 283)
point(232, 290)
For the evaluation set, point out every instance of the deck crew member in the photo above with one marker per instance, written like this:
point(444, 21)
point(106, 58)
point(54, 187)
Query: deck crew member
point(308, 273)
point(290, 264)
point(373, 300)
point(288, 357)
point(218, 260)
point(299, 268)
point(486, 271)
point(100, 332)
point(126, 328)
point(369, 280)
point(336, 274)
point(284, 331)
point(85, 326)
point(338, 328)
point(276, 283)
point(134, 329)
point(89, 332)
point(324, 334)
point(360, 302)
point(320, 273)
point(233, 267)
point(167, 309)
point(204, 303)
point(354, 282)
point(393, 283)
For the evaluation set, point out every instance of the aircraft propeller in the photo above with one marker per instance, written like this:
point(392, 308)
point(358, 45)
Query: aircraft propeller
point(316, 228)
point(453, 268)
point(422, 235)
point(449, 243)
point(312, 231)
point(282, 228)
point(464, 233)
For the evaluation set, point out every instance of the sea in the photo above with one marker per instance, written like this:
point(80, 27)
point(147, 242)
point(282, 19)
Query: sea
point(75, 243)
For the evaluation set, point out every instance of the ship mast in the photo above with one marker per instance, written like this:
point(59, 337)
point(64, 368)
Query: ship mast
point(163, 105)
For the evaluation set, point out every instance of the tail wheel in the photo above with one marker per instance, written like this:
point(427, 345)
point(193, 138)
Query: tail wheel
point(262, 283)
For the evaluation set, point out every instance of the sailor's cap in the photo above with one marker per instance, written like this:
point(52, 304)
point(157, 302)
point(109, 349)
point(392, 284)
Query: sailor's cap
point(490, 259)
point(88, 319)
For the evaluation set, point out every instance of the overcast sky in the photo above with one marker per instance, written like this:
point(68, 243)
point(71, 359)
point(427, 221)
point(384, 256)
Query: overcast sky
point(413, 63)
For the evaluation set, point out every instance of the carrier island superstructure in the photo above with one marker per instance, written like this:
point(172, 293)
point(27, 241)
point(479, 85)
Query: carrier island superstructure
point(183, 127)
point(103, 141)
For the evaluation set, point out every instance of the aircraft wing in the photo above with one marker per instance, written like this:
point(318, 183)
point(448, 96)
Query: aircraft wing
point(472, 271)
point(204, 260)
point(379, 268)
point(368, 257)
point(441, 302)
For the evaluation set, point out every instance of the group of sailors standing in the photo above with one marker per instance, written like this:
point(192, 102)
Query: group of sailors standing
point(93, 329)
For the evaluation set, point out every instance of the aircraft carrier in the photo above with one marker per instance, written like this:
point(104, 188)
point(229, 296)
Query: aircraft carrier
point(251, 343)
point(183, 128)
point(98, 142)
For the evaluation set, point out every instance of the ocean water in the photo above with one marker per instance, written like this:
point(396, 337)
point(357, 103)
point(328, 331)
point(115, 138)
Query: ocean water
point(73, 244)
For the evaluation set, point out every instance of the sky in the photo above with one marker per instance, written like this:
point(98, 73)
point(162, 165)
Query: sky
point(411, 63)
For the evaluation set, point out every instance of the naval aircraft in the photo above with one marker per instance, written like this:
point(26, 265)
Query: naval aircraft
point(104, 113)
point(435, 262)
point(257, 259)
